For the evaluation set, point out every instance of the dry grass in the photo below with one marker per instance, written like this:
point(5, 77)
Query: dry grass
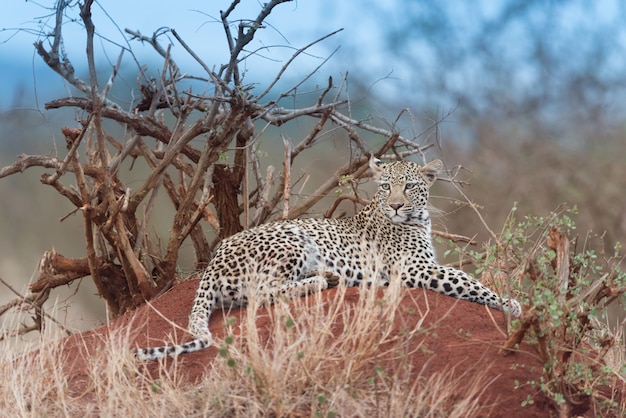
point(308, 356)
point(310, 364)
point(313, 365)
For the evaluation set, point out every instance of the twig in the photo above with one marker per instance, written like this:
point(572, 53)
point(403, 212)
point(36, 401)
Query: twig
point(288, 63)
point(480, 216)
point(36, 303)
point(287, 177)
point(128, 147)
point(329, 86)
point(147, 212)
point(558, 242)
point(145, 126)
point(263, 206)
point(114, 71)
point(278, 115)
point(454, 237)
point(309, 140)
point(196, 217)
point(26, 161)
point(243, 38)
point(191, 133)
point(529, 319)
point(357, 167)
point(245, 193)
point(155, 44)
point(337, 202)
point(219, 84)
point(61, 65)
point(88, 226)
point(17, 301)
point(72, 151)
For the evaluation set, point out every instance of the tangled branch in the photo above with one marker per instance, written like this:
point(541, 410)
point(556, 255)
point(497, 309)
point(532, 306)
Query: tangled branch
point(182, 135)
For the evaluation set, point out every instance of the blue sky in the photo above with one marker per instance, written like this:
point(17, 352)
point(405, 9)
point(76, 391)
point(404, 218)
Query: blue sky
point(290, 26)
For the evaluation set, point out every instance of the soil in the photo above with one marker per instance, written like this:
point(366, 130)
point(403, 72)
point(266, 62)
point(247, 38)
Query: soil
point(467, 334)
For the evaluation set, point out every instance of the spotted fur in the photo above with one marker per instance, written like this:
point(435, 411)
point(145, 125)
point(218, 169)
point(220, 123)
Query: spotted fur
point(300, 256)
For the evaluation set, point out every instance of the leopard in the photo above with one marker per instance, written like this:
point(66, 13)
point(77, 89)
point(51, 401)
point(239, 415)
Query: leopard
point(388, 239)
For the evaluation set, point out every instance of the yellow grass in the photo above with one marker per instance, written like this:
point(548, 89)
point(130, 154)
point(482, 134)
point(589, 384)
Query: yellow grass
point(302, 370)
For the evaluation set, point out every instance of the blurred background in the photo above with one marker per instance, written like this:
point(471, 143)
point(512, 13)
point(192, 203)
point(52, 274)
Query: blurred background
point(531, 96)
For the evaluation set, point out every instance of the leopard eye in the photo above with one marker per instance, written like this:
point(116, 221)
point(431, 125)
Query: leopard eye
point(385, 186)
point(410, 186)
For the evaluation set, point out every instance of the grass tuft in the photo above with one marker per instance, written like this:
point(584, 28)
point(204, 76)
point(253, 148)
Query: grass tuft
point(318, 358)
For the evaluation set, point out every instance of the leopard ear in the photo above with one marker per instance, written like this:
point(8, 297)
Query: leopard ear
point(431, 170)
point(376, 166)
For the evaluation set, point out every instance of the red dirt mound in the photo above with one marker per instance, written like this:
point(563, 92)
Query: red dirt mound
point(465, 335)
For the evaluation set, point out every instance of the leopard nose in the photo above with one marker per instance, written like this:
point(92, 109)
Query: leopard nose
point(396, 206)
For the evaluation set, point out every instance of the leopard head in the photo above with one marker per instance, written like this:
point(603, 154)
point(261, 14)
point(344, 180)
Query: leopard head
point(403, 188)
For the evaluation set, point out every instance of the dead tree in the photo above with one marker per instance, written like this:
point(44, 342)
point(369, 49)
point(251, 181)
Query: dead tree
point(181, 136)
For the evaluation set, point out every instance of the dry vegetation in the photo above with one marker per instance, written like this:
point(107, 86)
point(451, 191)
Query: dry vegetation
point(311, 364)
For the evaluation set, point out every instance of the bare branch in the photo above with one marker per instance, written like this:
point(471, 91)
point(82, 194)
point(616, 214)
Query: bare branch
point(220, 85)
point(357, 167)
point(85, 14)
point(309, 140)
point(278, 115)
point(475, 209)
point(454, 237)
point(114, 71)
point(290, 61)
point(73, 141)
point(337, 202)
point(559, 242)
point(26, 161)
point(263, 206)
point(287, 175)
point(35, 302)
point(153, 40)
point(60, 64)
point(142, 125)
point(246, 33)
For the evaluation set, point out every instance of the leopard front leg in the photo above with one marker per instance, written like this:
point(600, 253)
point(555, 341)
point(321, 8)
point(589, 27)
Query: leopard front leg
point(314, 281)
point(458, 284)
